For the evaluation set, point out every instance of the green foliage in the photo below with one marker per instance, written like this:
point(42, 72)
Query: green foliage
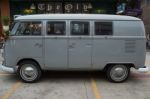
point(5, 20)
point(7, 33)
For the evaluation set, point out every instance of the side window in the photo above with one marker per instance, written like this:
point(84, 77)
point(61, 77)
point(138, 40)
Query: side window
point(103, 28)
point(79, 28)
point(56, 28)
point(29, 28)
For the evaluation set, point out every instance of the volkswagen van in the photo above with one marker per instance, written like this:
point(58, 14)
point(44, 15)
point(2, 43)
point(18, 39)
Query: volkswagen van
point(87, 42)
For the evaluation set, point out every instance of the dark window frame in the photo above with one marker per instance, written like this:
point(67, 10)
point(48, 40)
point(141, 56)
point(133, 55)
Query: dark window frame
point(12, 25)
point(31, 34)
point(76, 21)
point(65, 28)
point(102, 23)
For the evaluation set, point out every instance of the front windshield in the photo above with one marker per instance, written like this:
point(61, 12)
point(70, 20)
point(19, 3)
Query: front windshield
point(12, 25)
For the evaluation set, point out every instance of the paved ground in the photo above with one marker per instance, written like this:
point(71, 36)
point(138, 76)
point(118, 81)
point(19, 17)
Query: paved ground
point(76, 85)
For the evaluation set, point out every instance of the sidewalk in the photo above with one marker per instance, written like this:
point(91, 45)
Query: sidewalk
point(147, 50)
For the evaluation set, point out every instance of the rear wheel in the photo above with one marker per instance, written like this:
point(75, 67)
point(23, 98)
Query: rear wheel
point(29, 71)
point(118, 73)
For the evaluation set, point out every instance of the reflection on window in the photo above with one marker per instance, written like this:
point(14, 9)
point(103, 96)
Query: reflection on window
point(29, 28)
point(79, 28)
point(103, 28)
point(12, 25)
point(56, 28)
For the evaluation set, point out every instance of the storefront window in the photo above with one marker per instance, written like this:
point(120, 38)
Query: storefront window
point(133, 4)
point(134, 8)
point(30, 7)
point(25, 7)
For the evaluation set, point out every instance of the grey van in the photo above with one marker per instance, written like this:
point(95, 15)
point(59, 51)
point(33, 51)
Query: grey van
point(75, 42)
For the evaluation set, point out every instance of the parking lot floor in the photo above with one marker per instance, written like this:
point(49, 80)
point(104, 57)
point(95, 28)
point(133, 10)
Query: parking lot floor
point(76, 85)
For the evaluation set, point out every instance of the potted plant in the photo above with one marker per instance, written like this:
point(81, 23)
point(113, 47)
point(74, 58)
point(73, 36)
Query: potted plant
point(6, 22)
point(5, 25)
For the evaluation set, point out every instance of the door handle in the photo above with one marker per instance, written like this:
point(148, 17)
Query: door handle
point(72, 45)
point(88, 45)
point(38, 45)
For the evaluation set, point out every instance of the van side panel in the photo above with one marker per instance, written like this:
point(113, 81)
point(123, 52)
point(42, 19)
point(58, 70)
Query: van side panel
point(55, 52)
point(135, 40)
point(129, 28)
point(80, 49)
point(23, 47)
point(125, 46)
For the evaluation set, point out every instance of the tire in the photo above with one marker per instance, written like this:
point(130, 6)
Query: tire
point(118, 73)
point(29, 71)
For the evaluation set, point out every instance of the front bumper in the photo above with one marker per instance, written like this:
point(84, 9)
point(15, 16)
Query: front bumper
point(8, 69)
point(144, 69)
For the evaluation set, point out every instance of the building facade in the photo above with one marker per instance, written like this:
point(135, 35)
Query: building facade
point(146, 16)
point(0, 23)
point(14, 8)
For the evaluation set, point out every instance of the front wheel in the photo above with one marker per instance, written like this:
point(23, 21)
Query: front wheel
point(118, 73)
point(29, 71)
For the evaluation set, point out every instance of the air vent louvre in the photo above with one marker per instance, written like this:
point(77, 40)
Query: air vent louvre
point(130, 46)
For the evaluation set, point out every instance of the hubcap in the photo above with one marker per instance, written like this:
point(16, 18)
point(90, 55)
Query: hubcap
point(28, 72)
point(119, 72)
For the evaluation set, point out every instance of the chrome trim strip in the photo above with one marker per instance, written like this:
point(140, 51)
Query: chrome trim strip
point(7, 69)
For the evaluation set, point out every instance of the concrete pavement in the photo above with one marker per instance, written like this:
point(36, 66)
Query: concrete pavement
point(76, 85)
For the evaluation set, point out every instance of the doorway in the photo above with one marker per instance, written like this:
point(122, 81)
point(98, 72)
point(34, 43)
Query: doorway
point(0, 24)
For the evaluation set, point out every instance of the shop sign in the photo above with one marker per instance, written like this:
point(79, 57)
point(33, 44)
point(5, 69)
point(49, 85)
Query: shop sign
point(78, 7)
point(41, 8)
point(50, 8)
point(66, 7)
point(86, 7)
point(58, 8)
point(69, 7)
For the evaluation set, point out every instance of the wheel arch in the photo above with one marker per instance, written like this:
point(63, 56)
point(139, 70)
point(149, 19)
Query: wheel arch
point(27, 59)
point(111, 64)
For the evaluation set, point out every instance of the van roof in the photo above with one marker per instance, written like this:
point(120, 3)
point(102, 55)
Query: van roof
point(76, 16)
